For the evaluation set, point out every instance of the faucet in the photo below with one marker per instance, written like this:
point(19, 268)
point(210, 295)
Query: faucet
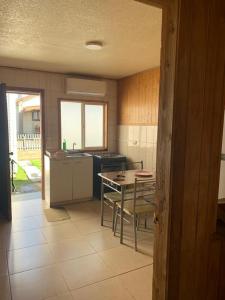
point(74, 144)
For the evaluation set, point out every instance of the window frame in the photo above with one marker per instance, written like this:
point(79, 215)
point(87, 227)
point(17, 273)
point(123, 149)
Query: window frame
point(104, 104)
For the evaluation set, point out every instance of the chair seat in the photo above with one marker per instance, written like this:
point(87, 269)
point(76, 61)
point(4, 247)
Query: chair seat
point(142, 207)
point(116, 197)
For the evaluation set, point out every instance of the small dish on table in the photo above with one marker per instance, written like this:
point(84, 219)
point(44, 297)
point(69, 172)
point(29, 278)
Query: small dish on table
point(144, 173)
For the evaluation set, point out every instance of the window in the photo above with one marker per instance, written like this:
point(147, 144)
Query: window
point(83, 125)
point(36, 115)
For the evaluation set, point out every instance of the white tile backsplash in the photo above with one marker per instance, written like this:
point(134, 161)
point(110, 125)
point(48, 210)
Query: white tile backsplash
point(138, 143)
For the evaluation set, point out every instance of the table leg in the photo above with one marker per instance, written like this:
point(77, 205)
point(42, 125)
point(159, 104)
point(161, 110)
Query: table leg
point(121, 214)
point(102, 202)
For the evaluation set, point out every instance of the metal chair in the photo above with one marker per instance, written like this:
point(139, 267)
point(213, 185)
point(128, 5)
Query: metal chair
point(141, 204)
point(110, 198)
point(134, 165)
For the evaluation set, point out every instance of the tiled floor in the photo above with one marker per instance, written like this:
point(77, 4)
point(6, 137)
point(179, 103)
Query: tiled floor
point(72, 259)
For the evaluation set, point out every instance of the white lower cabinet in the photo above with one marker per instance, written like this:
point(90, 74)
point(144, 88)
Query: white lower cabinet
point(68, 180)
point(82, 179)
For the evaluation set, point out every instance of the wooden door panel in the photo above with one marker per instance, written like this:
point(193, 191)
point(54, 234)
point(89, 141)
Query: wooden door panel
point(5, 189)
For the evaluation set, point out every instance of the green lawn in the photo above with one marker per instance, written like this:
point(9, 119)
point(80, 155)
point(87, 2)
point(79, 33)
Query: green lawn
point(21, 178)
point(36, 163)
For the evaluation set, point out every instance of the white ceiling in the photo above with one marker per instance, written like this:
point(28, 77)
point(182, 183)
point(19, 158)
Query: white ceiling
point(50, 35)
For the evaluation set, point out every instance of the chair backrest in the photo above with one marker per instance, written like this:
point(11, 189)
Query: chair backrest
point(144, 191)
point(135, 165)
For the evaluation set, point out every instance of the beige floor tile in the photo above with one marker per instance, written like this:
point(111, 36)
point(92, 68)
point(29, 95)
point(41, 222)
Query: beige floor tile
point(89, 225)
point(43, 222)
point(4, 288)
point(110, 289)
point(103, 240)
point(29, 258)
point(84, 211)
point(85, 270)
point(5, 229)
point(23, 211)
point(3, 263)
point(70, 249)
point(66, 296)
point(38, 284)
point(23, 224)
point(3, 243)
point(46, 259)
point(61, 231)
point(129, 234)
point(23, 239)
point(123, 259)
point(139, 283)
point(146, 246)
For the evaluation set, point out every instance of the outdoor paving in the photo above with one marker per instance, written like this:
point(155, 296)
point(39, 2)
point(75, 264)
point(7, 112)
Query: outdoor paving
point(33, 173)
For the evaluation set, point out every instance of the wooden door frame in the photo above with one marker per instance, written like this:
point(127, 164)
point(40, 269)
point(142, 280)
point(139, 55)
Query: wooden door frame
point(40, 92)
point(161, 259)
point(185, 252)
point(5, 196)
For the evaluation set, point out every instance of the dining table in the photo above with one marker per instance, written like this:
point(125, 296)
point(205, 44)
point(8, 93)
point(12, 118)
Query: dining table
point(119, 181)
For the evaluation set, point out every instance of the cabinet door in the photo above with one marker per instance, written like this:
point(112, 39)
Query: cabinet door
point(82, 178)
point(61, 181)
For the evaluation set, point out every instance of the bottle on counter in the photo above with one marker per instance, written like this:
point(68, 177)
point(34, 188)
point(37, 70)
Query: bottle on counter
point(64, 144)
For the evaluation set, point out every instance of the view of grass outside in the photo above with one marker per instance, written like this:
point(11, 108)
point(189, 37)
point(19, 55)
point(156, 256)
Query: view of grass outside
point(21, 178)
point(36, 163)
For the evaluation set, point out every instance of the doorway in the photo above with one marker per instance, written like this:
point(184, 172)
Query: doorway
point(25, 144)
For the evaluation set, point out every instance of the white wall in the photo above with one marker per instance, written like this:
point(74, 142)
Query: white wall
point(53, 85)
point(28, 124)
point(139, 143)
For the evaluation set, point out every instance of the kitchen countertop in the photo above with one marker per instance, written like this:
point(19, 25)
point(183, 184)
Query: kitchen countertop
point(68, 155)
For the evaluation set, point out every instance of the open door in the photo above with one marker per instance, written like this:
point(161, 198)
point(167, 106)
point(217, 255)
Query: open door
point(5, 192)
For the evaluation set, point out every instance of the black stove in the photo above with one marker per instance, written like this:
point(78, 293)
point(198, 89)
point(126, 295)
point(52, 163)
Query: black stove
point(108, 161)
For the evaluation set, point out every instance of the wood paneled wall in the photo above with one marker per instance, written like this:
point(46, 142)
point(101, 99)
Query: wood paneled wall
point(138, 98)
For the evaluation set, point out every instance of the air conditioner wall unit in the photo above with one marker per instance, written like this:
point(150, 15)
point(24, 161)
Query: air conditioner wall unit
point(77, 86)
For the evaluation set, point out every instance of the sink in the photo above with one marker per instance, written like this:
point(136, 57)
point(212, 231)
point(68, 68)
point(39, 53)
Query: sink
point(76, 154)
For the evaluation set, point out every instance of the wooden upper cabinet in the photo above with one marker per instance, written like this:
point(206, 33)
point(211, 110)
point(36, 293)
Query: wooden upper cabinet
point(138, 98)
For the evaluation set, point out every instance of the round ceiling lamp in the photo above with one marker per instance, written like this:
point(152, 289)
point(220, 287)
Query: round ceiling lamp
point(94, 45)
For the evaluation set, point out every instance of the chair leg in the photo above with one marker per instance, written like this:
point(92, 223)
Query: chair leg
point(113, 215)
point(116, 220)
point(145, 222)
point(102, 203)
point(138, 222)
point(135, 231)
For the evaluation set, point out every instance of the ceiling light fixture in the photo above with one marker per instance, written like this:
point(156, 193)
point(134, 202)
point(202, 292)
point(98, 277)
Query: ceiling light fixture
point(94, 45)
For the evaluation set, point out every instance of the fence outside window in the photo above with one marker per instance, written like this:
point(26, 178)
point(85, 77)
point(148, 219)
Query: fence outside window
point(28, 141)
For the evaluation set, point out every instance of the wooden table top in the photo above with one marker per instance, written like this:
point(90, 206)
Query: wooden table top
point(129, 178)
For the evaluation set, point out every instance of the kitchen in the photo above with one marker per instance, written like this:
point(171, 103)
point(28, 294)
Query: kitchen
point(72, 105)
point(134, 139)
point(122, 90)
